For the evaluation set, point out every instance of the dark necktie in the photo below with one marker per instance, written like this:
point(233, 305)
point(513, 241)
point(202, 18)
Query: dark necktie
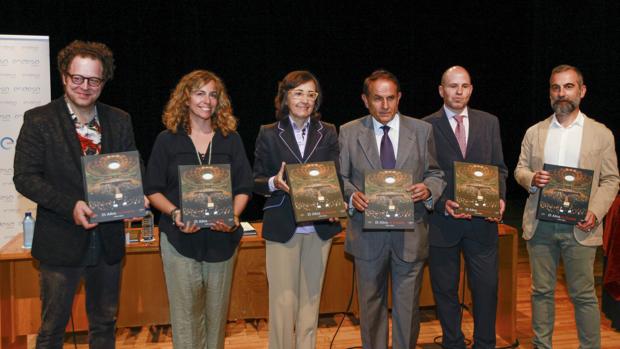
point(388, 161)
point(459, 132)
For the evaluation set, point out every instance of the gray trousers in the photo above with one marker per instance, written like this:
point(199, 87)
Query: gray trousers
point(550, 242)
point(372, 286)
point(198, 294)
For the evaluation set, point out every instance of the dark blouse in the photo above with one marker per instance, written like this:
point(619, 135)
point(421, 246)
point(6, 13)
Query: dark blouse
point(162, 176)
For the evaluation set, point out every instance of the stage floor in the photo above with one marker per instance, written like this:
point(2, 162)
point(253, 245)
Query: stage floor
point(254, 334)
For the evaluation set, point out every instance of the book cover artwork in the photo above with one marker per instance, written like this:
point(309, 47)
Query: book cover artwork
point(476, 189)
point(113, 186)
point(206, 194)
point(390, 205)
point(315, 191)
point(565, 198)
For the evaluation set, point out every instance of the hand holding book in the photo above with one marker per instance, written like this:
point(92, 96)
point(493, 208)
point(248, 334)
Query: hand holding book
point(279, 181)
point(82, 214)
point(541, 178)
point(588, 223)
point(419, 192)
point(451, 206)
point(187, 228)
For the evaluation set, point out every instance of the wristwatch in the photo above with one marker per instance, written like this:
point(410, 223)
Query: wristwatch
point(173, 212)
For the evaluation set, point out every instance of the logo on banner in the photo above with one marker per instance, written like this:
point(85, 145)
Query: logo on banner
point(7, 225)
point(4, 62)
point(6, 171)
point(7, 198)
point(7, 117)
point(5, 90)
point(35, 90)
point(7, 143)
point(32, 103)
point(26, 61)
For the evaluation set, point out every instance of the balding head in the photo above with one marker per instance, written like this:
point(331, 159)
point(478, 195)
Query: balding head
point(457, 69)
point(456, 88)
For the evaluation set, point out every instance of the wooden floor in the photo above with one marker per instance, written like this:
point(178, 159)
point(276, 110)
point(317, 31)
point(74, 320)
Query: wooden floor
point(253, 334)
point(248, 335)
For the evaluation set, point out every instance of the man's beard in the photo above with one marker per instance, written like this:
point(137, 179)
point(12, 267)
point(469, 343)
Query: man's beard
point(564, 106)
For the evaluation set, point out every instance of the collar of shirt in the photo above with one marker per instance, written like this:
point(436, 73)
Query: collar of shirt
point(450, 114)
point(394, 124)
point(76, 120)
point(579, 120)
point(301, 134)
point(393, 133)
point(297, 129)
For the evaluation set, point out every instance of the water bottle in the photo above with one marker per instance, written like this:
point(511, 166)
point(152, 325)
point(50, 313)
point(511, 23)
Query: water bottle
point(28, 232)
point(147, 226)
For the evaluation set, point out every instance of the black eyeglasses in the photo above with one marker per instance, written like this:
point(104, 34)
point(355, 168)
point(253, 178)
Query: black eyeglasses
point(91, 81)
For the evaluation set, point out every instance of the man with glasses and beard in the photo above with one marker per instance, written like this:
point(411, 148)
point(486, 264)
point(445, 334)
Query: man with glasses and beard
point(566, 138)
point(47, 170)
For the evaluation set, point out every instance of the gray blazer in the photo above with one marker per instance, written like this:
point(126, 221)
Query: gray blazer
point(416, 151)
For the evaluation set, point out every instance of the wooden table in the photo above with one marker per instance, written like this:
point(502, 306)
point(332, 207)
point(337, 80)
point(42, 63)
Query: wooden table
point(144, 300)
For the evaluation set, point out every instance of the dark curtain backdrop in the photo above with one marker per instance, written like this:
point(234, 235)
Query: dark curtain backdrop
point(508, 47)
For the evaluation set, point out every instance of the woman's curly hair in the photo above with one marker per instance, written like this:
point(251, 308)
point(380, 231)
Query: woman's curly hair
point(176, 112)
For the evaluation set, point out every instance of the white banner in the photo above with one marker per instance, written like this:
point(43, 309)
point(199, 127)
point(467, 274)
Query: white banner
point(24, 84)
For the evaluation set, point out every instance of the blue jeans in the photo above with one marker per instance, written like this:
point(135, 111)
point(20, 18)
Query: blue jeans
point(551, 241)
point(58, 286)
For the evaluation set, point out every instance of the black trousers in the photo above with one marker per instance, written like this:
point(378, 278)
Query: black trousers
point(482, 273)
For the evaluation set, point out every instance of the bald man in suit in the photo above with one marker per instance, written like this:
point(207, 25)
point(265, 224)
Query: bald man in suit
point(466, 135)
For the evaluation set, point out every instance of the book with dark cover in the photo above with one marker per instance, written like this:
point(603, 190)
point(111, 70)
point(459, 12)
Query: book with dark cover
point(315, 191)
point(113, 186)
point(389, 204)
point(476, 189)
point(565, 198)
point(206, 194)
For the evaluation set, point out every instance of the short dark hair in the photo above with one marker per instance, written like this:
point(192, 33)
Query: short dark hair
point(94, 50)
point(380, 74)
point(564, 67)
point(291, 81)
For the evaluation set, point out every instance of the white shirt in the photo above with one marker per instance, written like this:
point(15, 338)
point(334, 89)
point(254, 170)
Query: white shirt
point(563, 144)
point(394, 125)
point(450, 114)
point(301, 136)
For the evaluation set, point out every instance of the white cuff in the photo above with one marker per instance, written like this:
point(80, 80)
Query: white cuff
point(270, 183)
point(428, 203)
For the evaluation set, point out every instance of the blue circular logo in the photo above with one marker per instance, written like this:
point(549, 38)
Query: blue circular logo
point(7, 143)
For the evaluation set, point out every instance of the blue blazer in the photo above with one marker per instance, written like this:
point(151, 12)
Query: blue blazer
point(276, 144)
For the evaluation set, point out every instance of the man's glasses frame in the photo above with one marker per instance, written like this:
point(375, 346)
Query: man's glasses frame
point(92, 81)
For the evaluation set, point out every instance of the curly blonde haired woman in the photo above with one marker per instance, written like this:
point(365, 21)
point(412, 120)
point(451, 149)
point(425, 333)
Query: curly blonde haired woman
point(198, 263)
